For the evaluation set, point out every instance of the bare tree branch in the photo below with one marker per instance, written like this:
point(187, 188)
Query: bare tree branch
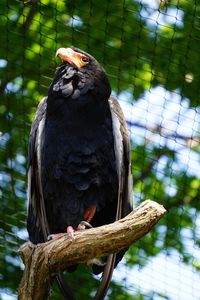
point(30, 15)
point(44, 260)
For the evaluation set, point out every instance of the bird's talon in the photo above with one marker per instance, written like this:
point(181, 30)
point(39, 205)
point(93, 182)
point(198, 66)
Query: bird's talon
point(49, 238)
point(71, 236)
point(86, 224)
point(70, 231)
point(55, 236)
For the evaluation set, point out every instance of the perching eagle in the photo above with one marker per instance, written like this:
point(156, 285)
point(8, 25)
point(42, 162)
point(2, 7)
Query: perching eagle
point(79, 156)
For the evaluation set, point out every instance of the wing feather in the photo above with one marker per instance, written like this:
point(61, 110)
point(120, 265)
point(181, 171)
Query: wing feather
point(37, 223)
point(123, 165)
point(123, 158)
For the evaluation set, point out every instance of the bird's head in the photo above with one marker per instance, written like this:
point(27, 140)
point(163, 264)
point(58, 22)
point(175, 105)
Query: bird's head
point(79, 59)
point(79, 73)
point(75, 57)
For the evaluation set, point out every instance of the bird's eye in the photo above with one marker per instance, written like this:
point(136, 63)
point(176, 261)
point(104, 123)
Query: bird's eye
point(85, 59)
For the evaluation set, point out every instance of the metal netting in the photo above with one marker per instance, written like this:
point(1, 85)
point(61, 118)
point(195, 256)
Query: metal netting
point(150, 51)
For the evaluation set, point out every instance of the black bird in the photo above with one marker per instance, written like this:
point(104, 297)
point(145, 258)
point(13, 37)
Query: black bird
point(79, 156)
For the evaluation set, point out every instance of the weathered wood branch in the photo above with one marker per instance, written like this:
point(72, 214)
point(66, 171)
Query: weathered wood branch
point(44, 260)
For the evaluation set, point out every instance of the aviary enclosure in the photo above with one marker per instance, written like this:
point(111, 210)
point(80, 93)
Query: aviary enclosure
point(150, 51)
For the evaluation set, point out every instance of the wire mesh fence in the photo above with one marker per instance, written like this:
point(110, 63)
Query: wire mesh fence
point(150, 51)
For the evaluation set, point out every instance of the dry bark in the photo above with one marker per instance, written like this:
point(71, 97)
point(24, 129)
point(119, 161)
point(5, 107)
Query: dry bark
point(44, 260)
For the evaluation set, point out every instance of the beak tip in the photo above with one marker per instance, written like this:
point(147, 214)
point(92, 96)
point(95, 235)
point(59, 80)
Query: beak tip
point(60, 51)
point(65, 54)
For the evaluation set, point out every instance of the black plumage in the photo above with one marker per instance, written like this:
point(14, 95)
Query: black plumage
point(78, 152)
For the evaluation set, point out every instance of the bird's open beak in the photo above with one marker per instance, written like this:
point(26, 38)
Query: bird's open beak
point(72, 57)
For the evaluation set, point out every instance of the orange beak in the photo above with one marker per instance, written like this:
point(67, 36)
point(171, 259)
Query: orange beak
point(72, 57)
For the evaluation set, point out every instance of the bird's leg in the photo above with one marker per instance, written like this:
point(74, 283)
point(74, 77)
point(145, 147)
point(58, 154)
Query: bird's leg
point(88, 215)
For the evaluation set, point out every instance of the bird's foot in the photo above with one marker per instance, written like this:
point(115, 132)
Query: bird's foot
point(55, 236)
point(84, 225)
point(69, 230)
point(88, 215)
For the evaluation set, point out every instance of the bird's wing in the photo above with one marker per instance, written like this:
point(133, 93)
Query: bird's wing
point(123, 159)
point(123, 165)
point(37, 222)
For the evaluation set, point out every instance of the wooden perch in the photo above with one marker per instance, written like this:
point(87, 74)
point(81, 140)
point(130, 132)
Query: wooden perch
point(44, 260)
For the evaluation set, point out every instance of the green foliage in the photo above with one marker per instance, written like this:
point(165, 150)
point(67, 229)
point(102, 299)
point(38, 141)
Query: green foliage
point(137, 55)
